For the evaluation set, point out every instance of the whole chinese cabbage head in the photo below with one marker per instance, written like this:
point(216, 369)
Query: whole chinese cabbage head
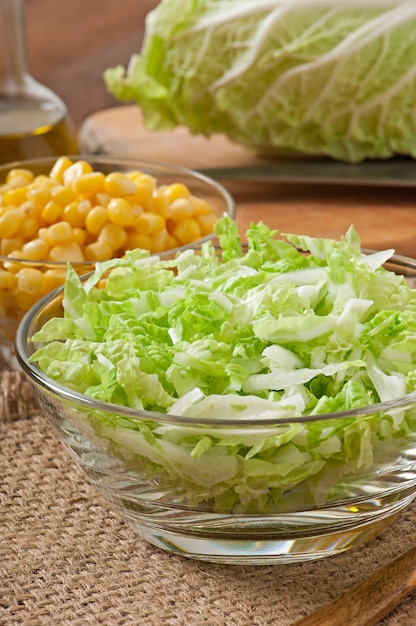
point(314, 77)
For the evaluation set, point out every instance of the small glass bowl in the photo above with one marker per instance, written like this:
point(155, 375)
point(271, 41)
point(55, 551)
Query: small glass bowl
point(156, 487)
point(16, 299)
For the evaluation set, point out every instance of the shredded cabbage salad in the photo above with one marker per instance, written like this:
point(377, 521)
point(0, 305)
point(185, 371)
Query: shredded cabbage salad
point(284, 327)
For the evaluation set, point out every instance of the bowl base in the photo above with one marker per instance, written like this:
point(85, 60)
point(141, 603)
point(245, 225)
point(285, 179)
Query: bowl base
point(261, 550)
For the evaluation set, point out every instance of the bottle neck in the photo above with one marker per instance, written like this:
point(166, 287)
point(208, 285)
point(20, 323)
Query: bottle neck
point(13, 66)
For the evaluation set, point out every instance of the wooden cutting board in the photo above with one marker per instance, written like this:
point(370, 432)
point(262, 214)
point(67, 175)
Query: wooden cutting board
point(384, 217)
point(121, 131)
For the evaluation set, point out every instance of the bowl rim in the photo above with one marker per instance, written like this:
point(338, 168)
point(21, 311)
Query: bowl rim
point(129, 162)
point(36, 376)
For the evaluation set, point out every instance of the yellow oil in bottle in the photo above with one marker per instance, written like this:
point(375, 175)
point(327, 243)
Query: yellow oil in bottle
point(34, 121)
point(29, 129)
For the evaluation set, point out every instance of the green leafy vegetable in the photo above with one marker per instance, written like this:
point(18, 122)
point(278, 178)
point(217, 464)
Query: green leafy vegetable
point(288, 327)
point(322, 78)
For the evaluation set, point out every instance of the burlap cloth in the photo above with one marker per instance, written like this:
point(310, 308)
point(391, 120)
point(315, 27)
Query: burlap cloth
point(67, 559)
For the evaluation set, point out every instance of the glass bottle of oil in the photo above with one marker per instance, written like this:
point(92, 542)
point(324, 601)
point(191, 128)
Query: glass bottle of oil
point(34, 121)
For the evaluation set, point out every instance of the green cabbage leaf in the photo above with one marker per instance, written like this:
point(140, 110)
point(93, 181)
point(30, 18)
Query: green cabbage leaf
point(307, 77)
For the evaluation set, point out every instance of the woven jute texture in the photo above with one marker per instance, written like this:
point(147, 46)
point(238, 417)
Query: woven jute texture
point(65, 558)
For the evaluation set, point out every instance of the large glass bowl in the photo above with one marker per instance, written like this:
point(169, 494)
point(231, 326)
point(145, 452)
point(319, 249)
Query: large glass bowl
point(152, 484)
point(23, 281)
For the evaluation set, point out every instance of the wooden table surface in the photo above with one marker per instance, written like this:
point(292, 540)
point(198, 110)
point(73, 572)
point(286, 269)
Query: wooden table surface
point(384, 217)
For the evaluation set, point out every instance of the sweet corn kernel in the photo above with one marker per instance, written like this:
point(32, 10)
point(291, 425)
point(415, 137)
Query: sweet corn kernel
point(96, 220)
point(75, 213)
point(148, 223)
point(147, 180)
point(98, 251)
point(117, 184)
point(75, 171)
point(51, 212)
point(171, 242)
point(207, 223)
point(137, 240)
point(79, 235)
point(69, 251)
point(180, 209)
point(103, 199)
point(113, 234)
point(134, 174)
point(120, 212)
point(7, 245)
point(187, 231)
point(15, 196)
point(52, 278)
point(145, 188)
point(90, 183)
point(43, 234)
point(158, 241)
point(37, 249)
point(177, 190)
point(43, 181)
point(161, 204)
point(28, 229)
point(59, 233)
point(29, 280)
point(24, 299)
point(200, 206)
point(142, 197)
point(4, 188)
point(11, 221)
point(62, 195)
point(7, 280)
point(33, 212)
point(38, 196)
point(23, 175)
point(137, 210)
point(59, 168)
